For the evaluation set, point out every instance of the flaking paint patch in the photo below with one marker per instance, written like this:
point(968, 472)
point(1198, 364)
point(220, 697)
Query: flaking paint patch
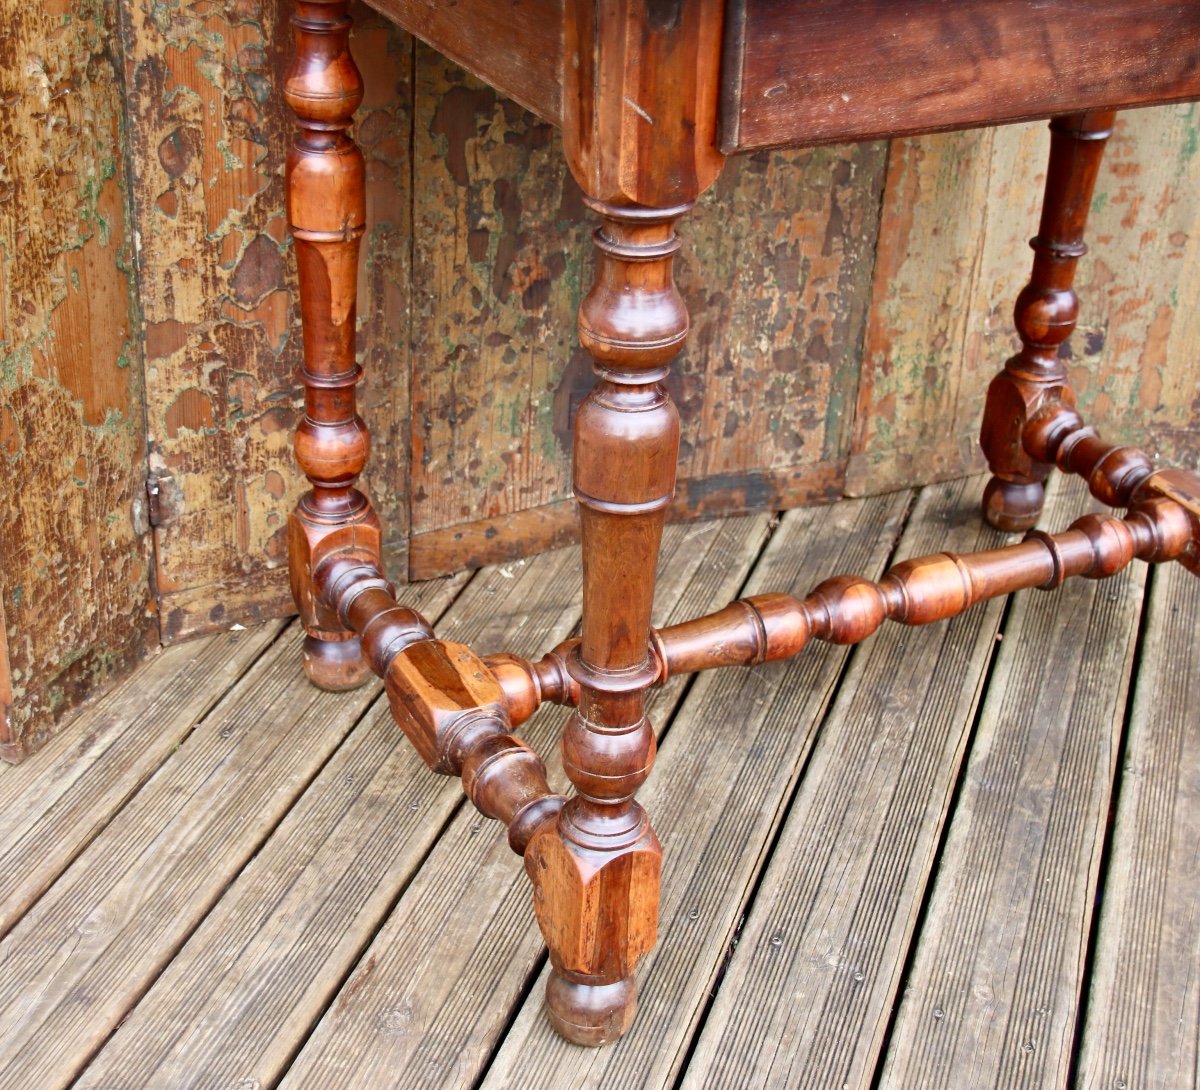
point(74, 580)
point(211, 134)
point(502, 245)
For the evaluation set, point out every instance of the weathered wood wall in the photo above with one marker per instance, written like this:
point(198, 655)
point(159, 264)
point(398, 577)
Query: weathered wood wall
point(209, 135)
point(958, 210)
point(850, 305)
point(502, 250)
point(75, 603)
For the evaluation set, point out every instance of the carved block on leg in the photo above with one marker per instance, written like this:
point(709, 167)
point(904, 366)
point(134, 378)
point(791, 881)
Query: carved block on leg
point(1014, 496)
point(598, 911)
point(1045, 314)
point(452, 709)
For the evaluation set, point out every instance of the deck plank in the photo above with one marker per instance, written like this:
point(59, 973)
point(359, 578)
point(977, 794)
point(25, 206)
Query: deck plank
point(1142, 1022)
point(992, 997)
point(85, 952)
point(437, 986)
point(808, 991)
point(270, 954)
point(63, 795)
point(291, 897)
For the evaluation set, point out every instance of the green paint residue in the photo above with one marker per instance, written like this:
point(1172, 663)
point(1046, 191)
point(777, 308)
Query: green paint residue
point(232, 162)
point(1191, 141)
point(516, 410)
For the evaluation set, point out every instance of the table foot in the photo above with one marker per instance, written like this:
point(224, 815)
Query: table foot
point(335, 665)
point(595, 891)
point(1014, 506)
point(588, 1013)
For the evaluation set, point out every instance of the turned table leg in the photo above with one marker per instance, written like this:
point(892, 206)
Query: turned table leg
point(1046, 311)
point(596, 871)
point(326, 214)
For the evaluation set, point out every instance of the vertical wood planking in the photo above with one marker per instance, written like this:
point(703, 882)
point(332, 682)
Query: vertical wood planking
point(958, 209)
point(500, 241)
point(222, 337)
point(6, 688)
point(776, 272)
point(74, 579)
point(1142, 1009)
point(765, 386)
point(788, 239)
point(992, 995)
point(1133, 360)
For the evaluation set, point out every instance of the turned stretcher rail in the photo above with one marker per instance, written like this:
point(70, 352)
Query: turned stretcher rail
point(458, 709)
point(847, 609)
point(447, 702)
point(1163, 524)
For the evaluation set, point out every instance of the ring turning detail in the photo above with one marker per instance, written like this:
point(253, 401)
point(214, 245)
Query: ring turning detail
point(640, 86)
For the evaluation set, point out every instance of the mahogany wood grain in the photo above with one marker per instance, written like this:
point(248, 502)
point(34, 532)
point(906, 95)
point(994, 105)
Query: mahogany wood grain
point(1119, 476)
point(819, 71)
point(640, 90)
point(326, 209)
point(639, 135)
point(596, 875)
point(516, 46)
point(443, 697)
point(1046, 312)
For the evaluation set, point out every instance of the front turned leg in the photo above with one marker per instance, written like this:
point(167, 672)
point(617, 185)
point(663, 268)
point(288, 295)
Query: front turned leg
point(326, 213)
point(1046, 311)
point(596, 870)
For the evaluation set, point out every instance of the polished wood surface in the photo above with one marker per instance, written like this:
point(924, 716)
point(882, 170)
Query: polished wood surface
point(516, 46)
point(1046, 312)
point(326, 215)
point(816, 71)
point(640, 91)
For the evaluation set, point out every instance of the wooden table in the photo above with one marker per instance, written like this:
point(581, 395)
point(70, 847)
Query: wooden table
point(651, 96)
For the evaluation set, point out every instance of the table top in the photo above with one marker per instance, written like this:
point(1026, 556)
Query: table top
point(816, 71)
point(651, 94)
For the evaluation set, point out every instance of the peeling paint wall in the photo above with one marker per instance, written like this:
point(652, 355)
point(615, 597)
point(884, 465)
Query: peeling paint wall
point(75, 606)
point(502, 254)
point(959, 209)
point(209, 135)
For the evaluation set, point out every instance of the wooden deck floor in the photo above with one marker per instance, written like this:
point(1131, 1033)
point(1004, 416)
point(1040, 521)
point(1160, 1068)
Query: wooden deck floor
point(959, 857)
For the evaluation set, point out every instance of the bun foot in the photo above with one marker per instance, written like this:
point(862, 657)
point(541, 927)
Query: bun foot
point(335, 665)
point(1008, 505)
point(589, 1014)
